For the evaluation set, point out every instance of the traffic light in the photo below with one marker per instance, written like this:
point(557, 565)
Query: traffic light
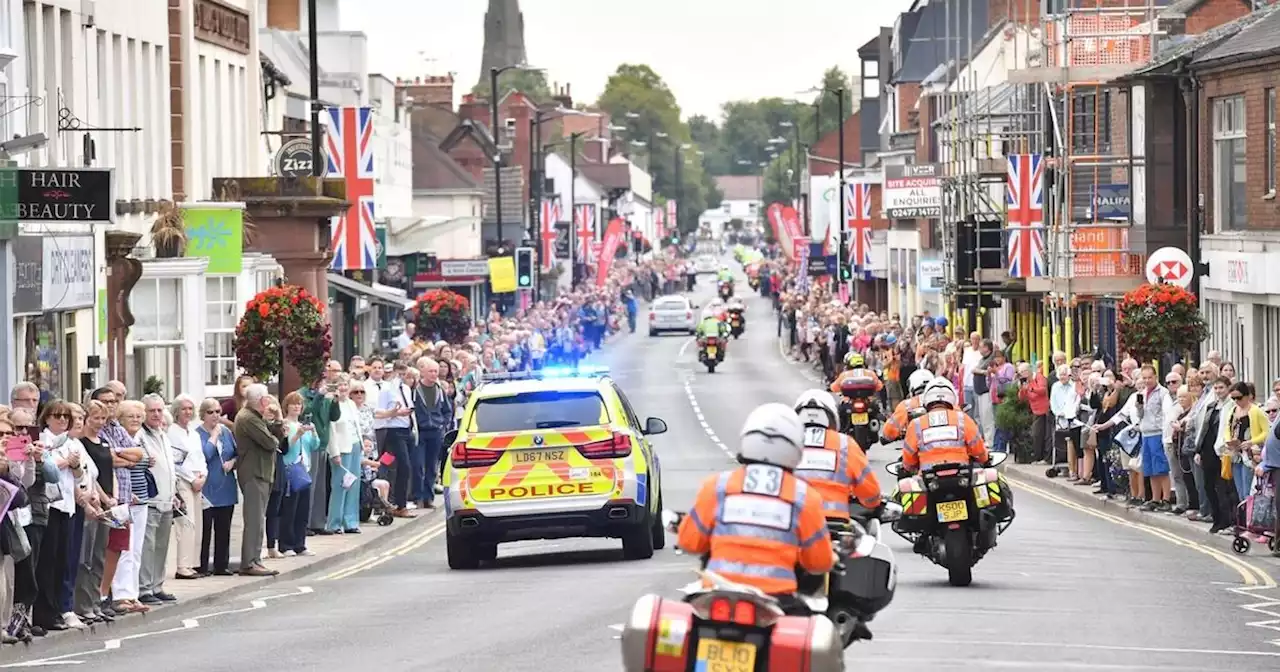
point(524, 268)
point(846, 264)
point(675, 238)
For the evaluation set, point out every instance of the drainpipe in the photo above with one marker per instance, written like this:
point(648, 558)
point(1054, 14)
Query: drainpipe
point(1189, 84)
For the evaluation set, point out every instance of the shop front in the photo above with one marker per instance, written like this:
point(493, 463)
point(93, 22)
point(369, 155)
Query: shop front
point(357, 311)
point(468, 277)
point(53, 304)
point(1242, 307)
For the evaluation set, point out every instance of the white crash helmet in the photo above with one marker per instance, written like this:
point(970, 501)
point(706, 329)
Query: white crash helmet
point(772, 434)
point(817, 407)
point(939, 391)
point(917, 381)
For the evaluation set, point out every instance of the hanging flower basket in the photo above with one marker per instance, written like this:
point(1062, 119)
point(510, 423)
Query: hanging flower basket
point(1159, 319)
point(442, 314)
point(287, 318)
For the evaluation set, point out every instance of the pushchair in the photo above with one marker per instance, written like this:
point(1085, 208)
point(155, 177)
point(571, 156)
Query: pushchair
point(1256, 518)
point(372, 503)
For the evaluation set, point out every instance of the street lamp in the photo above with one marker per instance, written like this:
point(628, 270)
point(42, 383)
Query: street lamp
point(839, 94)
point(497, 135)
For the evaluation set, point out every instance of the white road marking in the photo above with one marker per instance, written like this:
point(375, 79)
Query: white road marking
point(1269, 606)
point(684, 347)
point(702, 420)
point(187, 624)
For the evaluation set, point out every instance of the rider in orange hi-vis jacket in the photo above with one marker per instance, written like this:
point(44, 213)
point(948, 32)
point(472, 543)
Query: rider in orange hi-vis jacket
point(942, 435)
point(901, 418)
point(833, 463)
point(758, 523)
point(854, 363)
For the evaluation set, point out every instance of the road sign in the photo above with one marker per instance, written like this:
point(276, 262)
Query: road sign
point(1171, 265)
point(294, 159)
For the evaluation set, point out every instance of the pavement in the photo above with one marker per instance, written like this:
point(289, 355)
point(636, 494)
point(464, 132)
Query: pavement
point(1072, 586)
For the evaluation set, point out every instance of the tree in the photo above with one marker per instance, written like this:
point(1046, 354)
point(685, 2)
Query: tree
point(532, 83)
point(636, 98)
point(706, 135)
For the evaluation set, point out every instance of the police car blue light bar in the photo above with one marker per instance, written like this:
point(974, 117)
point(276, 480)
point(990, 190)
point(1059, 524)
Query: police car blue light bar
point(582, 371)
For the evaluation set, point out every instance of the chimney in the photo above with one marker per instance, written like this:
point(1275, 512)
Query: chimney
point(430, 90)
point(563, 98)
point(284, 15)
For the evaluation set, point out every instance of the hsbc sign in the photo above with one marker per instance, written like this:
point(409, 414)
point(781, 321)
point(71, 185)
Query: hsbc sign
point(1243, 272)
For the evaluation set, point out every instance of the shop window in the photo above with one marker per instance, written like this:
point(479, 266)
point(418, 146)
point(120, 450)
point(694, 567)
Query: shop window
point(1268, 333)
point(222, 312)
point(157, 333)
point(42, 356)
point(1229, 186)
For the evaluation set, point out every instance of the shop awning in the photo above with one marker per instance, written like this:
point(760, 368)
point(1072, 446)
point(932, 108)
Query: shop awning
point(375, 293)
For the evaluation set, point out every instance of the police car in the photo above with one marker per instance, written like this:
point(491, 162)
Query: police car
point(551, 454)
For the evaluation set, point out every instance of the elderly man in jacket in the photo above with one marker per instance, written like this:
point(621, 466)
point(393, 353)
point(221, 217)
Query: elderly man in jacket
point(256, 449)
point(155, 547)
point(434, 414)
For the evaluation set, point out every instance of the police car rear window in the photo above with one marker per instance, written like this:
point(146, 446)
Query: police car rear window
point(538, 410)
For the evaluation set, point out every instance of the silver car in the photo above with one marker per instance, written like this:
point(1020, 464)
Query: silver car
point(705, 264)
point(672, 313)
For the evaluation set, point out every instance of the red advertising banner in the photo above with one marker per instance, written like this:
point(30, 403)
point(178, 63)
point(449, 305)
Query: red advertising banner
point(791, 220)
point(608, 249)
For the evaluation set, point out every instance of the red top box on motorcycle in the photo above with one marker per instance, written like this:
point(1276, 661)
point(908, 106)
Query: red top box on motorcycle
point(851, 385)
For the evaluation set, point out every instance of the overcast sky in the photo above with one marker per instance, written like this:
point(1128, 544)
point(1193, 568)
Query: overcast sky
point(708, 51)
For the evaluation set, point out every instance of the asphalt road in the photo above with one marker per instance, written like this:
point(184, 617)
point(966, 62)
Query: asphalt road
point(1067, 589)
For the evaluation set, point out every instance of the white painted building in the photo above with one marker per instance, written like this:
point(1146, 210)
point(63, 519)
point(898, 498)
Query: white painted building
point(741, 200)
point(392, 153)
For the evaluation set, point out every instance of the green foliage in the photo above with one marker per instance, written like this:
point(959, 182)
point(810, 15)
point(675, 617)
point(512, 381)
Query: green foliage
point(1014, 417)
point(153, 385)
point(636, 97)
point(532, 83)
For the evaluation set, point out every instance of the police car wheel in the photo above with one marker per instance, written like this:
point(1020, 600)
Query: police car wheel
point(461, 554)
point(659, 532)
point(637, 542)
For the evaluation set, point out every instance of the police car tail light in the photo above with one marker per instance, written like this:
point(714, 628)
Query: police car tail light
point(619, 445)
point(688, 314)
point(464, 457)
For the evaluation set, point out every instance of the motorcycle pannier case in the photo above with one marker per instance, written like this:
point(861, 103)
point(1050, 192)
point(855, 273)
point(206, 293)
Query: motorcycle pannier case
point(661, 636)
point(857, 386)
point(869, 580)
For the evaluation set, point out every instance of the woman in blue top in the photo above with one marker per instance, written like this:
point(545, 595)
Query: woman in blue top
point(295, 507)
point(220, 493)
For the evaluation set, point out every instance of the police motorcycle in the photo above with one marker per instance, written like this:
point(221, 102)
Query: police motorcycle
point(726, 289)
point(867, 576)
point(737, 320)
point(953, 513)
point(724, 625)
point(860, 413)
point(711, 346)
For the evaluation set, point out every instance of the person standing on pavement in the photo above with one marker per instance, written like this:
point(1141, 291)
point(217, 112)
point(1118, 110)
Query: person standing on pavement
point(220, 490)
point(87, 602)
point(434, 414)
point(300, 448)
point(1034, 390)
point(321, 412)
point(1149, 403)
point(344, 453)
point(395, 411)
point(155, 547)
point(192, 473)
point(256, 450)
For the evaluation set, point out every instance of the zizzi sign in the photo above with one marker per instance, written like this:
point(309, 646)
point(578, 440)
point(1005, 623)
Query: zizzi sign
point(81, 195)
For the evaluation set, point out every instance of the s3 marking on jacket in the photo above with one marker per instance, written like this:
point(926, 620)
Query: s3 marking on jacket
point(758, 523)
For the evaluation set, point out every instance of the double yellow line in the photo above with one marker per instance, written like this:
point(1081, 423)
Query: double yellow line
point(417, 541)
point(1249, 574)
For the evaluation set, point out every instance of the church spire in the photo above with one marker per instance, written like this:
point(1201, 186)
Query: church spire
point(503, 38)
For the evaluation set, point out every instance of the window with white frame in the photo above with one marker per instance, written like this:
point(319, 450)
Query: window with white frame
point(220, 317)
point(1271, 141)
point(1229, 186)
point(157, 309)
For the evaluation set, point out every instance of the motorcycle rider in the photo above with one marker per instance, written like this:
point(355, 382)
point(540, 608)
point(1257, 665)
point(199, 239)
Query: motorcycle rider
point(759, 524)
point(712, 324)
point(897, 424)
point(724, 275)
point(855, 367)
point(833, 463)
point(943, 434)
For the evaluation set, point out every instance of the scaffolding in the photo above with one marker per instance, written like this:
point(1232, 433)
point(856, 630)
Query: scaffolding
point(1048, 94)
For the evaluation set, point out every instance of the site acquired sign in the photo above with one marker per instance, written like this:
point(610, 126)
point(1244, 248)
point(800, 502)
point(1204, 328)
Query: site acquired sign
point(912, 191)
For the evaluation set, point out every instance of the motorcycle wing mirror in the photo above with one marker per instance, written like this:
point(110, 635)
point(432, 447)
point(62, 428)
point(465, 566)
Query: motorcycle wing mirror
point(892, 511)
point(671, 519)
point(997, 459)
point(894, 468)
point(654, 426)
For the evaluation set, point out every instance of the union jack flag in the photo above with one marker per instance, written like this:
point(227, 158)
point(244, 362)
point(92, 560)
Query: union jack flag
point(857, 208)
point(1024, 199)
point(550, 215)
point(584, 222)
point(349, 151)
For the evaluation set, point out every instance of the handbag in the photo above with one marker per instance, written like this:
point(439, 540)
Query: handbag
point(1128, 439)
point(19, 543)
point(296, 476)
